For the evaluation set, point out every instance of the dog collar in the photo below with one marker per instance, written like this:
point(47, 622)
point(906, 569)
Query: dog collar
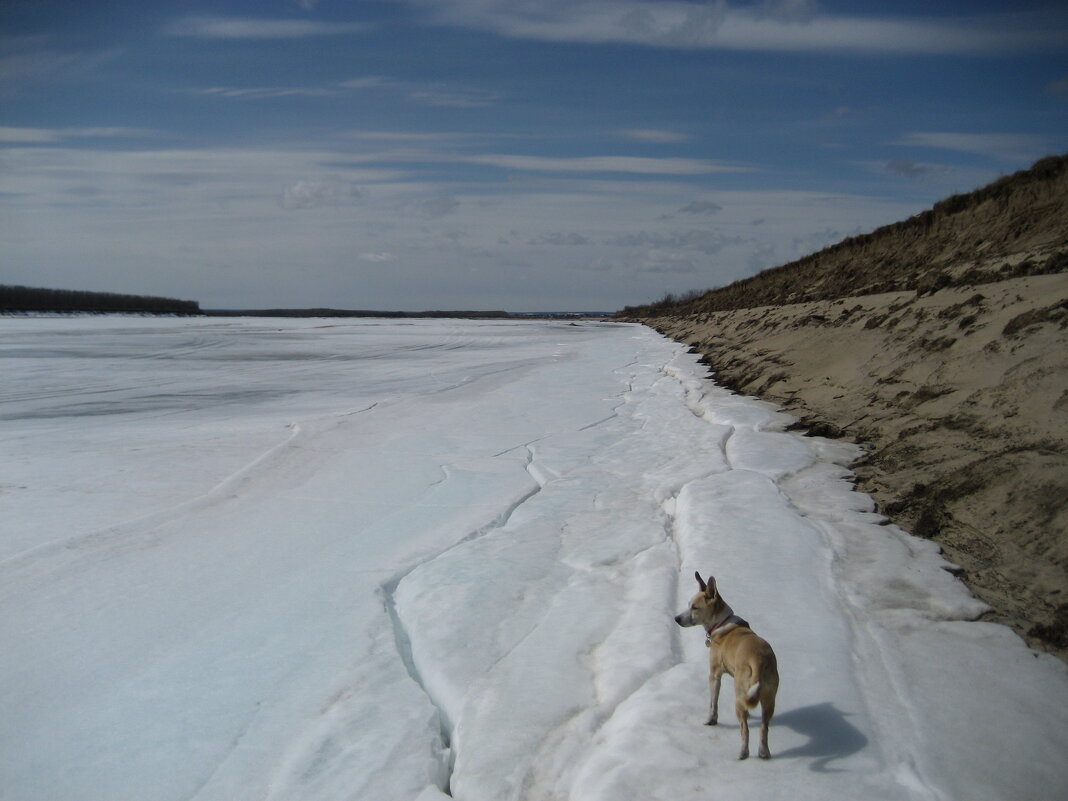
point(730, 621)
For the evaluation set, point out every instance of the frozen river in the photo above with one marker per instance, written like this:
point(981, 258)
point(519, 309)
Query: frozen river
point(357, 559)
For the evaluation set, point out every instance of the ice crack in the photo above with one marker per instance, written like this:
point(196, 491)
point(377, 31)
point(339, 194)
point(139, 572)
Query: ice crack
point(402, 638)
point(403, 644)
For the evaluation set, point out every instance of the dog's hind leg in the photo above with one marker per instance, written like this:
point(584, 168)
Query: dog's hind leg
point(742, 709)
point(767, 709)
point(769, 687)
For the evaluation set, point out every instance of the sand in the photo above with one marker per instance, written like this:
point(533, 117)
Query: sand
point(960, 401)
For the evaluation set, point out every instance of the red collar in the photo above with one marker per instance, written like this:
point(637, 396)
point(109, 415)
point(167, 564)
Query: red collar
point(728, 620)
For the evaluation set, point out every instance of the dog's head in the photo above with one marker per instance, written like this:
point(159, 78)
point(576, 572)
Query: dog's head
point(705, 608)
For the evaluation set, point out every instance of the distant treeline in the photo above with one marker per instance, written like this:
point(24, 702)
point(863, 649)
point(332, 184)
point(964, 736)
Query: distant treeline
point(467, 315)
point(31, 299)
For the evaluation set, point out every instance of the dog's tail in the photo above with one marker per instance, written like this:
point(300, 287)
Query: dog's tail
point(752, 698)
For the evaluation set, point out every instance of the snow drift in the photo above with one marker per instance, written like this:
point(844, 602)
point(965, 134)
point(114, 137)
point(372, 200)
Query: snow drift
point(369, 560)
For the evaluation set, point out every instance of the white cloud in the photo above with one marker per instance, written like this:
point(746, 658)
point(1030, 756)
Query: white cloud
point(216, 219)
point(29, 135)
point(365, 82)
point(701, 207)
point(659, 261)
point(623, 164)
point(791, 10)
point(256, 92)
point(406, 137)
point(52, 135)
point(909, 168)
point(764, 255)
point(779, 25)
point(438, 96)
point(706, 242)
point(211, 27)
point(559, 239)
point(454, 98)
point(816, 240)
point(309, 194)
point(31, 61)
point(1059, 88)
point(1006, 146)
point(433, 208)
point(653, 136)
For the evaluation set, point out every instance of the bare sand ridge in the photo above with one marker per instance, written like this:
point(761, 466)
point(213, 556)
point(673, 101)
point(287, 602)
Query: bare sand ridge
point(956, 384)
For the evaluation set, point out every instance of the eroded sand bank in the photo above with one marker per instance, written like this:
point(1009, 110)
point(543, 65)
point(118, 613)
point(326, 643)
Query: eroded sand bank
point(960, 398)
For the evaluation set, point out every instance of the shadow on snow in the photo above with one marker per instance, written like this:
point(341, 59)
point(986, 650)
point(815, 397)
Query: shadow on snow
point(830, 735)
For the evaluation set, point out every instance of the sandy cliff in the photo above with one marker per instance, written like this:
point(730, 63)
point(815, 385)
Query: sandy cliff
point(939, 344)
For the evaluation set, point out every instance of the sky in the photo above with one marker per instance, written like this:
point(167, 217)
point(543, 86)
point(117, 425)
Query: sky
point(552, 155)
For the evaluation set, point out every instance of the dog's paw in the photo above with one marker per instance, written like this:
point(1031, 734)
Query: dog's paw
point(743, 755)
point(712, 721)
point(764, 754)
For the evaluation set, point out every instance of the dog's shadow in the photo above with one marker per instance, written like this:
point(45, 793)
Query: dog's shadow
point(830, 735)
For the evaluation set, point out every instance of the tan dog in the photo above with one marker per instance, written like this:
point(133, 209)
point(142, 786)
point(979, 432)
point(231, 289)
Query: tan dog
point(736, 650)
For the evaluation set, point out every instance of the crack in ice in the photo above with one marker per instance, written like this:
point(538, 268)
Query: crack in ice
point(402, 638)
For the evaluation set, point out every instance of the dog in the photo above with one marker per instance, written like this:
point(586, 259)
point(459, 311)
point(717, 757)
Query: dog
point(736, 650)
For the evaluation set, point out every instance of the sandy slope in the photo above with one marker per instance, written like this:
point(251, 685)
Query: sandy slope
point(960, 397)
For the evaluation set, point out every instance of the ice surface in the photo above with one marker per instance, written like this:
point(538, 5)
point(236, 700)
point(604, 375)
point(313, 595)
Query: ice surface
point(309, 559)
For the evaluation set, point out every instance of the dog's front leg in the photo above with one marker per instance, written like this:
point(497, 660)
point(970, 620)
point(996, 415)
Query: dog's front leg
point(713, 681)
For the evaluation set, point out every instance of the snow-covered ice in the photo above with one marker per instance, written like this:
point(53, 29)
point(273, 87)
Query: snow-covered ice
point(322, 559)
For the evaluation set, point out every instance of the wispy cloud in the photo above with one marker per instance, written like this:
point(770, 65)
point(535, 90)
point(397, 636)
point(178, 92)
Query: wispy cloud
point(433, 208)
point(599, 164)
point(434, 95)
point(30, 61)
point(1059, 88)
point(258, 92)
point(785, 25)
point(211, 27)
point(168, 179)
point(251, 213)
point(454, 98)
point(54, 135)
point(327, 90)
point(696, 208)
point(653, 136)
point(29, 135)
point(403, 137)
point(909, 168)
point(312, 193)
point(1006, 146)
point(366, 82)
point(700, 241)
point(559, 239)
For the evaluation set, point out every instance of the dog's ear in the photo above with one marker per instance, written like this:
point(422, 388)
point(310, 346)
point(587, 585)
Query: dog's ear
point(711, 591)
point(700, 581)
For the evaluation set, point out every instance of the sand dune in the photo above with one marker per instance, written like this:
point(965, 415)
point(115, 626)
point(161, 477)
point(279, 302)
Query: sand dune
point(956, 383)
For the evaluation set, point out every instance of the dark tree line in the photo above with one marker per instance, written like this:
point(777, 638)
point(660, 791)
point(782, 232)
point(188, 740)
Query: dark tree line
point(25, 299)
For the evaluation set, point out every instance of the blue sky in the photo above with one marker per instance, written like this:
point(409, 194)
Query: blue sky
point(519, 155)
